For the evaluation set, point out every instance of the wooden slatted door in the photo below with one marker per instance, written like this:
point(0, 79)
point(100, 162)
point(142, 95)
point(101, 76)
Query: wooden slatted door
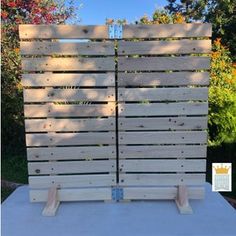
point(69, 96)
point(162, 95)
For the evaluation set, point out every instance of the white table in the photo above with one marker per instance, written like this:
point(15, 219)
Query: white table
point(212, 216)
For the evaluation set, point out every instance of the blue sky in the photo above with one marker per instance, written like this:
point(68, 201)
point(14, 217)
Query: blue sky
point(96, 11)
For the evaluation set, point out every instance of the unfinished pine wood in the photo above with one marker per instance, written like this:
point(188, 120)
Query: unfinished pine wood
point(166, 123)
point(84, 110)
point(163, 79)
point(71, 153)
point(45, 125)
point(163, 63)
point(167, 30)
point(70, 139)
point(67, 48)
point(162, 94)
point(63, 31)
point(87, 80)
point(71, 167)
point(163, 109)
point(68, 64)
point(155, 193)
point(163, 137)
point(161, 179)
point(165, 151)
point(65, 195)
point(183, 46)
point(70, 95)
point(163, 165)
point(72, 181)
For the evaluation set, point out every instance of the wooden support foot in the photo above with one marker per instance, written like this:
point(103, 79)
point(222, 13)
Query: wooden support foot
point(182, 200)
point(52, 203)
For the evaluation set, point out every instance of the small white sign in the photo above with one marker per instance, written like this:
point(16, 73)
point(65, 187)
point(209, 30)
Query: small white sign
point(221, 177)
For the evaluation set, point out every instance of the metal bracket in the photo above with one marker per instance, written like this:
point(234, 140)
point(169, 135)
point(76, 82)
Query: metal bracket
point(117, 194)
point(115, 31)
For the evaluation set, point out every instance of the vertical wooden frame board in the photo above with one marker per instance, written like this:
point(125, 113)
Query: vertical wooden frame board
point(163, 78)
point(69, 105)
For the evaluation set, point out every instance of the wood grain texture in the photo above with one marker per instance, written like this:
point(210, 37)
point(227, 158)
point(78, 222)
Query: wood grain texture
point(183, 46)
point(163, 79)
point(167, 30)
point(46, 125)
point(163, 63)
point(68, 64)
point(53, 110)
point(87, 80)
point(163, 109)
point(71, 95)
point(162, 94)
point(71, 167)
point(163, 137)
point(58, 139)
point(67, 48)
point(72, 153)
point(63, 31)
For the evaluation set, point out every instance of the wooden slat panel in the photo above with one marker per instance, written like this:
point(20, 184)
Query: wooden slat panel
point(175, 151)
point(167, 123)
point(162, 94)
point(72, 181)
point(69, 110)
point(70, 153)
point(70, 167)
point(163, 109)
point(166, 137)
point(45, 125)
point(72, 95)
point(91, 80)
point(70, 64)
point(163, 79)
point(164, 47)
point(153, 193)
point(167, 30)
point(86, 194)
point(69, 139)
point(163, 63)
point(163, 165)
point(63, 31)
point(67, 48)
point(161, 179)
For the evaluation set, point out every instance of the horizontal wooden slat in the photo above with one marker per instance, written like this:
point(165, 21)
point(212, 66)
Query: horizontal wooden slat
point(88, 80)
point(72, 181)
point(164, 47)
point(167, 30)
point(167, 123)
point(68, 64)
point(162, 165)
point(72, 95)
point(166, 137)
point(70, 139)
point(162, 94)
point(67, 48)
point(161, 179)
point(49, 125)
point(166, 151)
point(163, 79)
point(163, 109)
point(63, 31)
point(86, 194)
point(154, 193)
point(71, 153)
point(163, 63)
point(70, 167)
point(53, 110)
